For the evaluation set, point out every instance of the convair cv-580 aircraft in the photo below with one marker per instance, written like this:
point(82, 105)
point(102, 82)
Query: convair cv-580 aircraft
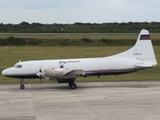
point(139, 57)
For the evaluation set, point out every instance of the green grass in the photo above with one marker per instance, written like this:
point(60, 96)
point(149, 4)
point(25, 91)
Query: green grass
point(9, 55)
point(77, 36)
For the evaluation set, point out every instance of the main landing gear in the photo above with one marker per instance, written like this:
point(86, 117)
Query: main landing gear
point(72, 85)
point(22, 85)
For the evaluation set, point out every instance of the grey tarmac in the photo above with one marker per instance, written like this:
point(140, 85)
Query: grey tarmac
point(126, 100)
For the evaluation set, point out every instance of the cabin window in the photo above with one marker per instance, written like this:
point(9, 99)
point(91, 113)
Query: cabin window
point(18, 66)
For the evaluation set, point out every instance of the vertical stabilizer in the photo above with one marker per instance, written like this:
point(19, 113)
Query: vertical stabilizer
point(142, 50)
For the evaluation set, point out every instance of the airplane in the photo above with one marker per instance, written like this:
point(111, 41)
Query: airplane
point(139, 57)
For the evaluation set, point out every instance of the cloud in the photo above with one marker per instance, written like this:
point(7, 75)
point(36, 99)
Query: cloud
point(70, 11)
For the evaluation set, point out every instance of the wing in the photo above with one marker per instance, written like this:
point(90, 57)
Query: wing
point(53, 74)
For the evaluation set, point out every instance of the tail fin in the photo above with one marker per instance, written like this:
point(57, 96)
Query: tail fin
point(142, 50)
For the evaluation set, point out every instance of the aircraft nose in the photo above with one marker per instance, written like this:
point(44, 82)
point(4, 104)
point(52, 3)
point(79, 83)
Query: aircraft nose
point(4, 72)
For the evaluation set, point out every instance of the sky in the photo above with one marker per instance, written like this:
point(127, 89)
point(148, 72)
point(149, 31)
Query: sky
point(84, 11)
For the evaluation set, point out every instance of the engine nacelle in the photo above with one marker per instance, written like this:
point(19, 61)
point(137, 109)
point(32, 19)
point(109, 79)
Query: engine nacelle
point(53, 74)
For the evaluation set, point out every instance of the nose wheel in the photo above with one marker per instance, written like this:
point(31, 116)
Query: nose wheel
point(22, 85)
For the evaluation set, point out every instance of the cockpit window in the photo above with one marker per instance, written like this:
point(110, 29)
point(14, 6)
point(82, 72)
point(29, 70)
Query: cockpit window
point(18, 66)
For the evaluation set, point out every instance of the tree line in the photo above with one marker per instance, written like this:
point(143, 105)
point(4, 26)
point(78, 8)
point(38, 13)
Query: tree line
point(130, 27)
point(13, 41)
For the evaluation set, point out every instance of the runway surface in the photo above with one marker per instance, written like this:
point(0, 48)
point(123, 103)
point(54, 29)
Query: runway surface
point(90, 101)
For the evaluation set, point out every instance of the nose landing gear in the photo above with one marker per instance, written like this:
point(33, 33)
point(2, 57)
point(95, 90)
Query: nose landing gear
point(22, 85)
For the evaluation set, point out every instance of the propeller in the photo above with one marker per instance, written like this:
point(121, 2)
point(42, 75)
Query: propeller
point(39, 74)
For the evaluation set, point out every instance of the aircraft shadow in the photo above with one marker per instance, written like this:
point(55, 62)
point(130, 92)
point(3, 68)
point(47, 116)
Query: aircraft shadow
point(81, 86)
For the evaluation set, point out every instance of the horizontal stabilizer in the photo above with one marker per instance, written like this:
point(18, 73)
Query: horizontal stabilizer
point(144, 65)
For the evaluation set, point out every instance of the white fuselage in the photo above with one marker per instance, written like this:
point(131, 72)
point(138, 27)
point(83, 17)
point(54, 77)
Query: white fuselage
point(90, 66)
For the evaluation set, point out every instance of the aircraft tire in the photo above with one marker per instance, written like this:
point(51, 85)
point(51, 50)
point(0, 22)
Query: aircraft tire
point(22, 87)
point(72, 85)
